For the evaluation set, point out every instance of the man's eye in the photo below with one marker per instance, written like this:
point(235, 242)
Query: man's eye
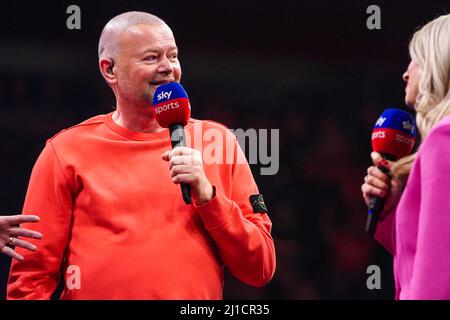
point(151, 58)
point(173, 56)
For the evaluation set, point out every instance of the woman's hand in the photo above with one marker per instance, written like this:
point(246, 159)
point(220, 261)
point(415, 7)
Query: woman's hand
point(377, 183)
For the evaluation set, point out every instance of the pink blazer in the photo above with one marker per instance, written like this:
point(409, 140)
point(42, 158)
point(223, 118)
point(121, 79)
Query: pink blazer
point(417, 233)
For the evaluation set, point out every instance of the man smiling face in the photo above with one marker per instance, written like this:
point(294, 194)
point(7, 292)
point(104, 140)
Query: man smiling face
point(137, 53)
point(147, 57)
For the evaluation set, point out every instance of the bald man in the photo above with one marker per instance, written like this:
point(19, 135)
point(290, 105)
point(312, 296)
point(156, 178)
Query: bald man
point(106, 190)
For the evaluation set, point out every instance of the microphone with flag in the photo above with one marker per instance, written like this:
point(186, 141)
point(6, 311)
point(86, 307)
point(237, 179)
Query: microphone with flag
point(393, 136)
point(172, 110)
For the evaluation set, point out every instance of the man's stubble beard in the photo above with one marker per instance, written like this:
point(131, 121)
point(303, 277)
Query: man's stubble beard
point(140, 100)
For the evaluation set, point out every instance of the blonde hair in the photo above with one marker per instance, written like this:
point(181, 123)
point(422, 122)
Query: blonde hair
point(430, 49)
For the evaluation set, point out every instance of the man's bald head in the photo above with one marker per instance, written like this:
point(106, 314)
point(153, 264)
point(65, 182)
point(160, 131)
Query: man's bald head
point(107, 44)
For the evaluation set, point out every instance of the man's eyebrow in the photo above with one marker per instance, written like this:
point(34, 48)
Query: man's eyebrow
point(149, 50)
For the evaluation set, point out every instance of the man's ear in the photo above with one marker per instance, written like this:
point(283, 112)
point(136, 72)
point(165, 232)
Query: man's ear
point(107, 69)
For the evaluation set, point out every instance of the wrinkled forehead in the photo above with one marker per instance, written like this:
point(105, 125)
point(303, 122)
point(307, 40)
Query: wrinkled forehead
point(144, 37)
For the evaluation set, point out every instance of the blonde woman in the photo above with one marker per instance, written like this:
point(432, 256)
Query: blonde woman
point(415, 224)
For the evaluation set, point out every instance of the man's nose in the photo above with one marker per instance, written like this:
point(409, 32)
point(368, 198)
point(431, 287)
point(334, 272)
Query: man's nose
point(165, 66)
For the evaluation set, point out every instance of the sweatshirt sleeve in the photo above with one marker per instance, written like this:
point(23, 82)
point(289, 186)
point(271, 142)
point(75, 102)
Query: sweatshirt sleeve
point(241, 234)
point(49, 197)
point(431, 271)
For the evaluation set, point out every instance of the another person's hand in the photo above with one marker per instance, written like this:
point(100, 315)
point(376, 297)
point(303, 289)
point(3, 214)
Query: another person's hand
point(186, 166)
point(10, 230)
point(376, 183)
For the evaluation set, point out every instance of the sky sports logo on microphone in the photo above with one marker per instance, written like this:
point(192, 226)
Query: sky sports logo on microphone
point(408, 126)
point(169, 91)
point(394, 133)
point(164, 95)
point(399, 137)
point(380, 121)
point(166, 107)
point(378, 134)
point(398, 120)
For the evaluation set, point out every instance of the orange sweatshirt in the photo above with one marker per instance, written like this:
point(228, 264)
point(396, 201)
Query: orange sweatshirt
point(116, 227)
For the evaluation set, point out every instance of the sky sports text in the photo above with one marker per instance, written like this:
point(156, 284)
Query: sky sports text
point(166, 107)
point(399, 138)
point(219, 148)
point(164, 95)
point(406, 125)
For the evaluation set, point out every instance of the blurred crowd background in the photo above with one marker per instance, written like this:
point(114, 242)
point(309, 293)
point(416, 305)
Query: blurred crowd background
point(311, 69)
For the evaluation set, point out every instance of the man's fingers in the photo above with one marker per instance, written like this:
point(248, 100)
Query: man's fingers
point(12, 253)
point(22, 232)
point(181, 169)
point(165, 156)
point(21, 218)
point(178, 151)
point(24, 244)
point(178, 160)
point(181, 151)
point(183, 178)
point(185, 160)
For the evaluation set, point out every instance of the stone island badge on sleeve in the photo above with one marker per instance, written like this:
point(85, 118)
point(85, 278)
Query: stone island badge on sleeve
point(258, 204)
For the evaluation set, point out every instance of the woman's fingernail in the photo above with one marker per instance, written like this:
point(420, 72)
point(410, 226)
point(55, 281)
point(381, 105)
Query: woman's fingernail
point(384, 163)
